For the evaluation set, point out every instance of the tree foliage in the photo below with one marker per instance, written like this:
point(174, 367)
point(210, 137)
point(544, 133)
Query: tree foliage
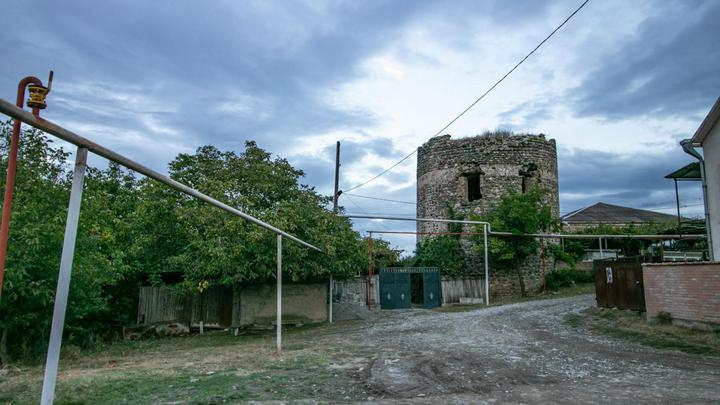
point(135, 229)
point(520, 214)
point(442, 251)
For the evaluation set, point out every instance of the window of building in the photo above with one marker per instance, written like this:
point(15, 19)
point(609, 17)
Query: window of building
point(527, 175)
point(473, 187)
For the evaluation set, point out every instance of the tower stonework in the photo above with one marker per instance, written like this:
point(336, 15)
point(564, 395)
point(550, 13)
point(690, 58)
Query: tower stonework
point(471, 175)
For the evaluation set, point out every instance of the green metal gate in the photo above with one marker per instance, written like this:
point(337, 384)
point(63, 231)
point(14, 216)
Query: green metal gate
point(395, 287)
point(431, 289)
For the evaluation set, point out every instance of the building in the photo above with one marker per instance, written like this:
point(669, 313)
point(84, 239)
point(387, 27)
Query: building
point(707, 137)
point(460, 177)
point(612, 215)
point(471, 175)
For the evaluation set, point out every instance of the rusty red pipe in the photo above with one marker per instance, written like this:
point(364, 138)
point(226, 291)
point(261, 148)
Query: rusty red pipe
point(11, 169)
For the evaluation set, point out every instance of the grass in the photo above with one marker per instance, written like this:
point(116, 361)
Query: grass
point(578, 289)
point(200, 369)
point(631, 326)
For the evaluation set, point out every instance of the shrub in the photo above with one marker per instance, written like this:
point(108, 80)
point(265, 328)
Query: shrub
point(567, 278)
point(664, 318)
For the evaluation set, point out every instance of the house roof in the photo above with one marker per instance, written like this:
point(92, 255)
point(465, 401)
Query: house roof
point(602, 213)
point(688, 172)
point(708, 124)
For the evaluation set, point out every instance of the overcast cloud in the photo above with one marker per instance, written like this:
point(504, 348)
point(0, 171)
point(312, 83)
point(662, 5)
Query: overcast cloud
point(617, 87)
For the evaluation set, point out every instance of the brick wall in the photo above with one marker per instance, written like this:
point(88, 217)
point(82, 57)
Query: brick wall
point(688, 291)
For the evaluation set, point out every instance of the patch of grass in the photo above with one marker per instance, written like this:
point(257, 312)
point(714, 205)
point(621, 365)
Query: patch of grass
point(211, 368)
point(631, 326)
point(265, 376)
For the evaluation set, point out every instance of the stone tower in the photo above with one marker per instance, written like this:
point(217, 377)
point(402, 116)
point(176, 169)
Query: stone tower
point(471, 175)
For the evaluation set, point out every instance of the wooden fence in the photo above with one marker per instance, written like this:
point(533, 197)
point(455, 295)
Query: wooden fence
point(165, 304)
point(455, 288)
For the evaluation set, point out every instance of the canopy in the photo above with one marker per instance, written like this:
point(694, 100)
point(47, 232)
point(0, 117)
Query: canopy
point(690, 172)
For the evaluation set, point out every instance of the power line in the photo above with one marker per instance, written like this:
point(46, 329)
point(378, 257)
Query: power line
point(479, 98)
point(381, 199)
point(383, 172)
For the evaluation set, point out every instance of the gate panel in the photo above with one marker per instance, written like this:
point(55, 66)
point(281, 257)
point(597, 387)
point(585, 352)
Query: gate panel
point(402, 290)
point(387, 290)
point(431, 290)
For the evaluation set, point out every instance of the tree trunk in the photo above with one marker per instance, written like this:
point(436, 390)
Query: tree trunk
point(3, 348)
point(521, 280)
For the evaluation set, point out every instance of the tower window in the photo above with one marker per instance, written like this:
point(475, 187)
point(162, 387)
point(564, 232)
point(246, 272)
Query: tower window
point(528, 175)
point(525, 184)
point(473, 190)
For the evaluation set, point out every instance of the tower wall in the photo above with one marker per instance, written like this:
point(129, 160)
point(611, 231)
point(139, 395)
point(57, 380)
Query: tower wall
point(471, 175)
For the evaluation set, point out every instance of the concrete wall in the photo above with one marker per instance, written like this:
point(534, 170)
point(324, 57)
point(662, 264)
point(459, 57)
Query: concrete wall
point(302, 303)
point(688, 291)
point(711, 153)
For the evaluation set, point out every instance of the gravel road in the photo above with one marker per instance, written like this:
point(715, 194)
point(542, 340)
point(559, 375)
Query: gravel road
point(521, 353)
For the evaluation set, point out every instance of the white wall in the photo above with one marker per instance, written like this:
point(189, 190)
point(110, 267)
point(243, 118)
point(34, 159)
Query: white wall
point(711, 153)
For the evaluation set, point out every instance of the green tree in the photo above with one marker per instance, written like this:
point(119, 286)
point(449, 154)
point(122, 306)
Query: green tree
point(35, 243)
point(383, 253)
point(211, 245)
point(442, 251)
point(519, 214)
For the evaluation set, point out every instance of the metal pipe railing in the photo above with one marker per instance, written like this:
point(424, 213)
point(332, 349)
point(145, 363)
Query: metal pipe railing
point(626, 236)
point(69, 136)
point(390, 218)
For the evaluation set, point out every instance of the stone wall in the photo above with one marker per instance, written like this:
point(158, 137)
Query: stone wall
point(502, 163)
point(350, 298)
point(688, 291)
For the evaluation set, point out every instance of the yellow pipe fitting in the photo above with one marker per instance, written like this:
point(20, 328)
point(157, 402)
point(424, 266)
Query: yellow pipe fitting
point(37, 96)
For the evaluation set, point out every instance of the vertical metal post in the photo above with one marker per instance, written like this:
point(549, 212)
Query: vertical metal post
point(487, 265)
point(10, 173)
point(601, 249)
point(331, 300)
point(370, 270)
point(677, 203)
point(279, 296)
point(542, 263)
point(63, 286)
point(336, 196)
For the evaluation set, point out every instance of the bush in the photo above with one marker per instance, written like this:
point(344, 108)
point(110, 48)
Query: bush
point(664, 318)
point(567, 278)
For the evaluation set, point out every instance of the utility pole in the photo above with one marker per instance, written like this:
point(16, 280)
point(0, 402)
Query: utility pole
point(336, 195)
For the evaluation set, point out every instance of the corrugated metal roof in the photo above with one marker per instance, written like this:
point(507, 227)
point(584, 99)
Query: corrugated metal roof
point(602, 213)
point(689, 172)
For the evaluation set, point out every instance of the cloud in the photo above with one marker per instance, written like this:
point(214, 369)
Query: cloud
point(153, 79)
point(633, 180)
point(669, 69)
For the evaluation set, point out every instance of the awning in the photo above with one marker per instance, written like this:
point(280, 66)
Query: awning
point(690, 172)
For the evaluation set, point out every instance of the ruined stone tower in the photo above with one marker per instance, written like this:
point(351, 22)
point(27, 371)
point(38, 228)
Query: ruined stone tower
point(471, 175)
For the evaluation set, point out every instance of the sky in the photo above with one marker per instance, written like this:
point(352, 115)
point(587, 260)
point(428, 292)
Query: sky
point(617, 87)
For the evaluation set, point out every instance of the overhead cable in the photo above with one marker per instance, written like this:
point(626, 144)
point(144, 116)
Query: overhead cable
point(479, 98)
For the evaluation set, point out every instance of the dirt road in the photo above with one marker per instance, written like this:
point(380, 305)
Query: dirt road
point(521, 353)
